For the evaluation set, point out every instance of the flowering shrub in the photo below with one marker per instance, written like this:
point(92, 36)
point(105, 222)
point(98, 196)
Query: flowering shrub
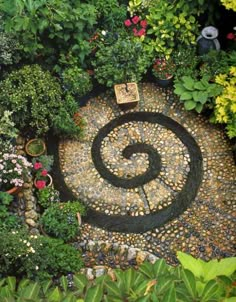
point(138, 26)
point(13, 170)
point(163, 69)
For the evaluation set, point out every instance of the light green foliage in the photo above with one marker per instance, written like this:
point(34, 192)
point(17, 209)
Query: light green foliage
point(170, 24)
point(7, 126)
point(60, 219)
point(33, 96)
point(196, 94)
point(121, 61)
point(47, 196)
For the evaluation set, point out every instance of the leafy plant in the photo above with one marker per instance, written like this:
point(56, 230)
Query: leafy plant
point(35, 147)
point(8, 220)
point(44, 27)
point(196, 94)
point(225, 103)
point(33, 96)
point(120, 62)
point(7, 126)
point(60, 219)
point(76, 81)
point(170, 24)
point(163, 68)
point(47, 196)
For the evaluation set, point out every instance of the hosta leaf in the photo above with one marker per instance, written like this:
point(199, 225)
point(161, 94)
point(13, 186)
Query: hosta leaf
point(215, 268)
point(94, 294)
point(210, 291)
point(170, 295)
point(188, 83)
point(189, 105)
point(203, 97)
point(185, 96)
point(192, 264)
point(199, 86)
point(199, 107)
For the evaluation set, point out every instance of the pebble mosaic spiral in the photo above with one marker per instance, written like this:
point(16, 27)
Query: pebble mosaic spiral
point(134, 170)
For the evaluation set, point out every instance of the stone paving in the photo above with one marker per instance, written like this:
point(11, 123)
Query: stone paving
point(206, 228)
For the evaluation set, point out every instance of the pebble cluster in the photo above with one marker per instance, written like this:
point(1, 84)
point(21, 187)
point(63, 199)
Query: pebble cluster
point(206, 229)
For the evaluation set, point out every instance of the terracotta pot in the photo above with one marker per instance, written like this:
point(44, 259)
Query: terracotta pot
point(14, 190)
point(33, 141)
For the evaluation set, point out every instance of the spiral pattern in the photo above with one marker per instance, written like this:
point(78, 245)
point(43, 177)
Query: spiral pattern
point(142, 168)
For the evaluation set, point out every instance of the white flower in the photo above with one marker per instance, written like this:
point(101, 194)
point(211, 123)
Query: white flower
point(36, 267)
point(103, 32)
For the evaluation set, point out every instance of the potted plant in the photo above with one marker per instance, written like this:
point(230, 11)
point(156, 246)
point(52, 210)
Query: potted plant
point(163, 69)
point(41, 166)
point(14, 170)
point(62, 220)
point(121, 61)
point(35, 147)
point(47, 196)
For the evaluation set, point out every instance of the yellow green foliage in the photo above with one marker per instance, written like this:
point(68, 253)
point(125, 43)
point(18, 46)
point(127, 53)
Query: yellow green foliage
point(229, 4)
point(225, 108)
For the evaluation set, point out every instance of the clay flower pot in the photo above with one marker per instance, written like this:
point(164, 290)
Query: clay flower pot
point(35, 147)
point(47, 180)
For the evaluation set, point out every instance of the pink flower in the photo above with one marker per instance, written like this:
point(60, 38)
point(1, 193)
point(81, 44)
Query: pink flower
point(231, 36)
point(135, 19)
point(143, 23)
point(44, 172)
point(127, 22)
point(141, 32)
point(37, 166)
point(135, 31)
point(40, 184)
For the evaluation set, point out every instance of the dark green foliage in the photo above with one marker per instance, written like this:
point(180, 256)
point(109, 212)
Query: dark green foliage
point(121, 61)
point(60, 220)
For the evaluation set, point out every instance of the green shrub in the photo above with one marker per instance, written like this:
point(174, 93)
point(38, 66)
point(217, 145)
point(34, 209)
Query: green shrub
point(33, 95)
point(120, 61)
point(47, 196)
point(76, 81)
point(60, 220)
point(36, 257)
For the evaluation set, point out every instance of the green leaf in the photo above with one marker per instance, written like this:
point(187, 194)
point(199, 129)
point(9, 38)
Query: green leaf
point(170, 295)
point(113, 289)
point(64, 283)
point(80, 281)
point(188, 83)
point(94, 294)
point(54, 295)
point(210, 291)
point(203, 97)
point(146, 268)
point(11, 282)
point(45, 285)
point(199, 86)
point(199, 107)
point(231, 299)
point(216, 268)
point(163, 284)
point(194, 265)
point(189, 105)
point(160, 267)
point(189, 282)
point(31, 291)
point(186, 96)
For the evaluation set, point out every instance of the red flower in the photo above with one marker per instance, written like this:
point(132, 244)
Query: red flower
point(40, 184)
point(141, 32)
point(127, 22)
point(231, 36)
point(44, 172)
point(143, 23)
point(135, 19)
point(135, 31)
point(38, 166)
